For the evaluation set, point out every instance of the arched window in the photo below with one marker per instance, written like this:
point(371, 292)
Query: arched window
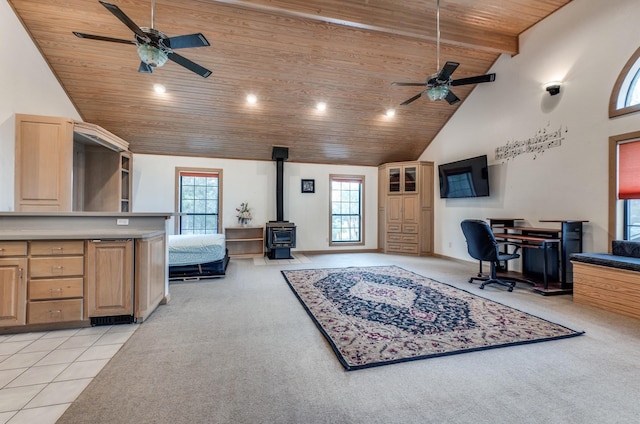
point(625, 97)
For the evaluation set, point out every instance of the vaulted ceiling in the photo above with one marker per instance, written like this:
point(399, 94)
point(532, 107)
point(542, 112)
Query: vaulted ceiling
point(291, 54)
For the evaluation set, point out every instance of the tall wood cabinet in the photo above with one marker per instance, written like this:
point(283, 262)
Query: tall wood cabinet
point(405, 208)
point(62, 165)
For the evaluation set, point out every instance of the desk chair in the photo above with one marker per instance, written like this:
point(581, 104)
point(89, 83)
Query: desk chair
point(482, 245)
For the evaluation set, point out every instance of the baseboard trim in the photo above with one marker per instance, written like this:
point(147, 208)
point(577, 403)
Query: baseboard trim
point(325, 252)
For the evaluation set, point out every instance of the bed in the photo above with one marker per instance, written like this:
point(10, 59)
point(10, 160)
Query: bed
point(193, 257)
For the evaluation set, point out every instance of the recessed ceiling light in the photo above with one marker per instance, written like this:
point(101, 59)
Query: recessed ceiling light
point(390, 113)
point(321, 106)
point(159, 88)
point(252, 99)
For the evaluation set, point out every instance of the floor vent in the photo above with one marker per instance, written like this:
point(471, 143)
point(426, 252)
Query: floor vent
point(112, 320)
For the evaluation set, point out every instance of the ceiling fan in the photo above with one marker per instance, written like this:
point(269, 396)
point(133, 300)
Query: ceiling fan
point(154, 47)
point(438, 84)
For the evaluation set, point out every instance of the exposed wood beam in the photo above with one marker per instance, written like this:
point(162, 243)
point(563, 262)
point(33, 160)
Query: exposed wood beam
point(452, 33)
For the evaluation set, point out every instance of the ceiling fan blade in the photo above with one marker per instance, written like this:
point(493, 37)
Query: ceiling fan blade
point(101, 38)
point(474, 80)
point(118, 13)
point(192, 66)
point(422, 84)
point(414, 98)
point(451, 98)
point(447, 70)
point(186, 41)
point(145, 68)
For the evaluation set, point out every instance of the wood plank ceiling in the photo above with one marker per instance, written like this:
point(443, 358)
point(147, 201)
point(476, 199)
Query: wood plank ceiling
point(290, 54)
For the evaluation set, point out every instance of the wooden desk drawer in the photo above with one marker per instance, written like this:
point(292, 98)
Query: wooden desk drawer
point(13, 248)
point(54, 311)
point(57, 247)
point(58, 288)
point(56, 267)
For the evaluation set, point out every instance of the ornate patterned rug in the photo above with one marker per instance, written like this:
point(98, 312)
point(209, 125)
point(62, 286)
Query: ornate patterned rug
point(382, 315)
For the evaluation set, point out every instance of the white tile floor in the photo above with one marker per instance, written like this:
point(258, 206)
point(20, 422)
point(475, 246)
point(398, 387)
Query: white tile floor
point(42, 373)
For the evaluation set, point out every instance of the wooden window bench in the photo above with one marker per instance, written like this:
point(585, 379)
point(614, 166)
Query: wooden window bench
point(609, 281)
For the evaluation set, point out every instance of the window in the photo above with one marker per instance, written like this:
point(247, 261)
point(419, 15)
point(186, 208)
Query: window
point(625, 97)
point(198, 197)
point(347, 209)
point(632, 219)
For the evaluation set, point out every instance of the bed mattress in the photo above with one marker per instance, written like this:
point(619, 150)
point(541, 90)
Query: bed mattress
point(195, 249)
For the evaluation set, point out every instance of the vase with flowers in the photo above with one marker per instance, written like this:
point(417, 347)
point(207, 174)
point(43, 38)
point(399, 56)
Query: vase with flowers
point(243, 213)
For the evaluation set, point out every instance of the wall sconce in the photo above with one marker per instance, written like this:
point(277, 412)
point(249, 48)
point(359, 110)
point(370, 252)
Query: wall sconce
point(553, 87)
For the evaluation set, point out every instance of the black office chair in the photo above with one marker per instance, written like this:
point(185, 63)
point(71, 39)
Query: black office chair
point(482, 245)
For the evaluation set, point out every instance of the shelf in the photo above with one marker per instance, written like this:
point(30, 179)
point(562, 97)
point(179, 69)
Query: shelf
point(245, 241)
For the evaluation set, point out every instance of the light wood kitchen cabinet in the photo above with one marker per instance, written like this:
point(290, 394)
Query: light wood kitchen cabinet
point(405, 208)
point(13, 285)
point(43, 164)
point(63, 165)
point(109, 278)
point(55, 284)
point(150, 275)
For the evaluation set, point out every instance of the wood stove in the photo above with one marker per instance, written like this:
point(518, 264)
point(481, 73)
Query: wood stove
point(281, 234)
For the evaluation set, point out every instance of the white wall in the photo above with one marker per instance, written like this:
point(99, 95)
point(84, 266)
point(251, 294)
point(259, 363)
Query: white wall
point(255, 182)
point(27, 85)
point(586, 46)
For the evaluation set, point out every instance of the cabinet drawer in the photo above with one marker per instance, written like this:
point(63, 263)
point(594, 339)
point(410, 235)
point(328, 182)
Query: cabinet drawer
point(13, 248)
point(410, 228)
point(56, 267)
point(394, 237)
point(402, 238)
point(58, 288)
point(394, 228)
point(402, 248)
point(57, 247)
point(54, 311)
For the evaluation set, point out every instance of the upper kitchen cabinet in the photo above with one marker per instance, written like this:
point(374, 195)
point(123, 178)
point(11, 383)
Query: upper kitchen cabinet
point(62, 165)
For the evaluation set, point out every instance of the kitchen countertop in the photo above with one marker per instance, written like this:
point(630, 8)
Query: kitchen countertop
point(97, 234)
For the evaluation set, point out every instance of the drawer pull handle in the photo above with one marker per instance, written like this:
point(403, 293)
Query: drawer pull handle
point(57, 268)
point(57, 249)
point(56, 312)
point(57, 291)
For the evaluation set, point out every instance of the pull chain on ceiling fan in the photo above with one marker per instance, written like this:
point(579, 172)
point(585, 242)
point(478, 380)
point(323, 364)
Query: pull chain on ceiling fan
point(154, 47)
point(438, 84)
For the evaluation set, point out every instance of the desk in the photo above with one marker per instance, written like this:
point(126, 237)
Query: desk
point(545, 251)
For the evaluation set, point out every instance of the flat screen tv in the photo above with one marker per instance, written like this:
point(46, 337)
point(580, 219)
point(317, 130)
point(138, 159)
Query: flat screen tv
point(464, 178)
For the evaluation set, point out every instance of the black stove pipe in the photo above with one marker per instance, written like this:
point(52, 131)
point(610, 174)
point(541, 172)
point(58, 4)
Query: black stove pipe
point(280, 154)
point(279, 190)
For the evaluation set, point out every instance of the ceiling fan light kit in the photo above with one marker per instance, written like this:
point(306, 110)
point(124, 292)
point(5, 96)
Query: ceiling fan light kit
point(152, 56)
point(437, 93)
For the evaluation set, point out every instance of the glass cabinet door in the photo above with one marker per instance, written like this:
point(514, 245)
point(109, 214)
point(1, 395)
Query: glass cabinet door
point(394, 180)
point(410, 178)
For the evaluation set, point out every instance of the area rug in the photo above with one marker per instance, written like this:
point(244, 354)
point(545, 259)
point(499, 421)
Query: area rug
point(375, 316)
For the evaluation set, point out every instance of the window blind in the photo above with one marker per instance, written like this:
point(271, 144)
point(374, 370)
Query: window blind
point(629, 170)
